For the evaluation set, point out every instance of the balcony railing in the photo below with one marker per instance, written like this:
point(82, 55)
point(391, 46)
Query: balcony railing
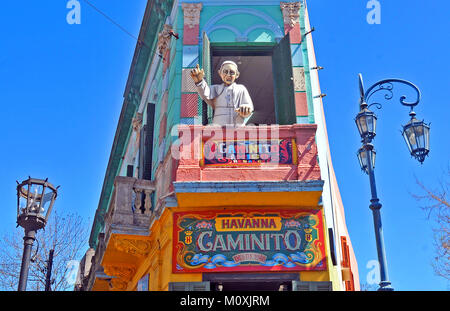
point(250, 153)
point(128, 220)
point(130, 210)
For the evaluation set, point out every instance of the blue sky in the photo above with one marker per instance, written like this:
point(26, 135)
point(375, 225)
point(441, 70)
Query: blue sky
point(61, 92)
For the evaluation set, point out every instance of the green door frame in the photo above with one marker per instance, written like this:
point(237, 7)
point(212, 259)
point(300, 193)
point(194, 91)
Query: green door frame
point(284, 94)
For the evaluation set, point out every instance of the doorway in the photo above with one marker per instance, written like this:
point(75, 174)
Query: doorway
point(265, 70)
point(256, 74)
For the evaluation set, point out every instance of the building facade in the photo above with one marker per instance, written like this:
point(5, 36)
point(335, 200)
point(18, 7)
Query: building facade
point(187, 205)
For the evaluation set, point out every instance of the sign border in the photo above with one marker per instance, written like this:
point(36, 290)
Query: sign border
point(284, 213)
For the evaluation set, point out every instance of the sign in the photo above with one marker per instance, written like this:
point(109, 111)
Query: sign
point(248, 241)
point(248, 152)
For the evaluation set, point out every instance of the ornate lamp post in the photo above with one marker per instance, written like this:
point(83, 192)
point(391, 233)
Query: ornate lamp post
point(416, 134)
point(35, 199)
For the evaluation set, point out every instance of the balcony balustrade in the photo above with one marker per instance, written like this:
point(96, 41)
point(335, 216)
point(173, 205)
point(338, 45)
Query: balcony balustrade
point(250, 153)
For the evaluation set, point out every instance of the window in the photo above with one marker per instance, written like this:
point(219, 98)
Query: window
point(256, 74)
point(146, 144)
point(265, 70)
point(130, 170)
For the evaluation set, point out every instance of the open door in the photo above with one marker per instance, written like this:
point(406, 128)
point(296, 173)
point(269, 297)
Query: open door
point(207, 111)
point(283, 80)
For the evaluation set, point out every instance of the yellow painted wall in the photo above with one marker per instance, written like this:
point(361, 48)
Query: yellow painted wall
point(158, 264)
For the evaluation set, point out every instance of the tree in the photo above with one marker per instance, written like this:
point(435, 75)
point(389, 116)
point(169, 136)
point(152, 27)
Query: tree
point(438, 210)
point(66, 234)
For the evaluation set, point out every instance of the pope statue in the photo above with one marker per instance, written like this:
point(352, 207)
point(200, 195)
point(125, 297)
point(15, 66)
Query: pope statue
point(231, 101)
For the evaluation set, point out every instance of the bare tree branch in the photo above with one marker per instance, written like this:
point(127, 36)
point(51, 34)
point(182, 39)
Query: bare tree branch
point(66, 234)
point(438, 211)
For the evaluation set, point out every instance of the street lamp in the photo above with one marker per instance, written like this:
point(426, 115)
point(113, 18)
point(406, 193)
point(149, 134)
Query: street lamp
point(366, 122)
point(35, 199)
point(417, 137)
point(363, 157)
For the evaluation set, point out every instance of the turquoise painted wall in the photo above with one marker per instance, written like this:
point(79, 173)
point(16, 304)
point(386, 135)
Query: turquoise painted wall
point(239, 24)
point(249, 23)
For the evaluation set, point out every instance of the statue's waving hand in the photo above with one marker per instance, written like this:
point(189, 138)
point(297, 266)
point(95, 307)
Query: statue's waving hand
point(197, 74)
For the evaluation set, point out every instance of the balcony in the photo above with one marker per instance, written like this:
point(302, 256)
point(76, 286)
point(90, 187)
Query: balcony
point(125, 242)
point(131, 207)
point(259, 165)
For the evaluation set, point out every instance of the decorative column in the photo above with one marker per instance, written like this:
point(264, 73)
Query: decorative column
point(191, 22)
point(191, 34)
point(291, 18)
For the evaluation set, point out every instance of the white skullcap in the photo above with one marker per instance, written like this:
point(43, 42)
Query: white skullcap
point(228, 62)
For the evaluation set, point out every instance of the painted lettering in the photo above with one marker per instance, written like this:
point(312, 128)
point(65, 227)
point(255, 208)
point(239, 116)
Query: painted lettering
point(287, 240)
point(200, 244)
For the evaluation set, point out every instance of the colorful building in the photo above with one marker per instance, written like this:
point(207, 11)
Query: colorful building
point(187, 205)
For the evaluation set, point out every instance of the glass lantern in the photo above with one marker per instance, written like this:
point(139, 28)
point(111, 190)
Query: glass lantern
point(366, 121)
point(363, 158)
point(35, 199)
point(417, 137)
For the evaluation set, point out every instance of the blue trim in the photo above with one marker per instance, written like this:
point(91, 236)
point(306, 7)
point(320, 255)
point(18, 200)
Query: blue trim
point(227, 27)
point(247, 186)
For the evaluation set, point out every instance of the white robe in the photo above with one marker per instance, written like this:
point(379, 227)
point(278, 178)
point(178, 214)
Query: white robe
point(225, 100)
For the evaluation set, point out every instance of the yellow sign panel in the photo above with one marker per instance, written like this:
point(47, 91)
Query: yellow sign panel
point(225, 224)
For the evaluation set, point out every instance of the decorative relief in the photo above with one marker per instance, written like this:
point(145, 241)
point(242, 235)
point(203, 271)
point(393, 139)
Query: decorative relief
point(191, 13)
point(133, 247)
point(122, 275)
point(164, 39)
point(118, 284)
point(291, 15)
point(137, 122)
point(125, 272)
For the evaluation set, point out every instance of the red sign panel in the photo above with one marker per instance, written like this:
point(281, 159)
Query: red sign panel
point(249, 152)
